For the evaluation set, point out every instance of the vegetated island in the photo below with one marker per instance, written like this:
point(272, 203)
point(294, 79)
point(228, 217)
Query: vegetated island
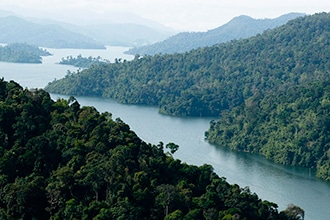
point(82, 62)
point(63, 161)
point(213, 80)
point(22, 53)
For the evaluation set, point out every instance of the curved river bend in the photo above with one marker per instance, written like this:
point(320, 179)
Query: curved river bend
point(280, 184)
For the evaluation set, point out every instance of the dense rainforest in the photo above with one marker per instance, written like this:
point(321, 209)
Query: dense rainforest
point(63, 161)
point(238, 28)
point(206, 81)
point(22, 53)
point(291, 127)
point(213, 80)
point(82, 62)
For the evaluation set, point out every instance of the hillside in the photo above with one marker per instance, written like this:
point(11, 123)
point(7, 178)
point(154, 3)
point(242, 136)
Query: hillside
point(290, 127)
point(238, 28)
point(210, 81)
point(18, 30)
point(63, 161)
point(206, 81)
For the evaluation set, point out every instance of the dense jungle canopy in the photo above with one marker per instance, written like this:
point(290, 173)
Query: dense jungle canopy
point(63, 161)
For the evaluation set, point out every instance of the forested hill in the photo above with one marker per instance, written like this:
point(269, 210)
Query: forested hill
point(238, 28)
point(206, 81)
point(63, 161)
point(290, 127)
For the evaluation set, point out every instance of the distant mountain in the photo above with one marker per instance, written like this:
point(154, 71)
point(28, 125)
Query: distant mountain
point(116, 29)
point(115, 34)
point(5, 13)
point(239, 27)
point(130, 35)
point(18, 30)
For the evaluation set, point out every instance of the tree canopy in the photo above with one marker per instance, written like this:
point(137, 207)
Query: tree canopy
point(291, 127)
point(206, 81)
point(240, 76)
point(63, 161)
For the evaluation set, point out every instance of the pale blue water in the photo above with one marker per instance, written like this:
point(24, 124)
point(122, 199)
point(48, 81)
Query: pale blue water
point(280, 184)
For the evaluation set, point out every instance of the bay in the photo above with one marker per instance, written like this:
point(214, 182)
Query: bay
point(280, 184)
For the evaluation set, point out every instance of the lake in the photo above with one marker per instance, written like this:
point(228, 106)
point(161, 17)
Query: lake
point(276, 183)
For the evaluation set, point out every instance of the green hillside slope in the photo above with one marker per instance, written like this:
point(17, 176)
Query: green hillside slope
point(206, 81)
point(243, 74)
point(291, 127)
point(62, 161)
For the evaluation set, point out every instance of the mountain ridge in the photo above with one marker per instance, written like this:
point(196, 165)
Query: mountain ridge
point(242, 26)
point(106, 31)
point(18, 30)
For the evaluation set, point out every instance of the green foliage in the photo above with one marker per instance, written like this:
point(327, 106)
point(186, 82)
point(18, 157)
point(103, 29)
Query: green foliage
point(173, 147)
point(82, 62)
point(291, 127)
point(22, 53)
point(294, 212)
point(271, 90)
point(206, 81)
point(63, 161)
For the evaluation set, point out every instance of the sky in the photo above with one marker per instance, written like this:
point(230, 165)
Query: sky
point(181, 15)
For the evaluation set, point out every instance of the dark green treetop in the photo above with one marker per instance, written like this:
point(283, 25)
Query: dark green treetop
point(63, 161)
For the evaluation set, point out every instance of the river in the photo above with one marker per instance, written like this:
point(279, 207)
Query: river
point(276, 183)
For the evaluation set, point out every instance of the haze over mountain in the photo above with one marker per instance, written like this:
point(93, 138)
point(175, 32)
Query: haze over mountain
point(110, 29)
point(18, 30)
point(183, 15)
point(128, 35)
point(239, 27)
point(5, 13)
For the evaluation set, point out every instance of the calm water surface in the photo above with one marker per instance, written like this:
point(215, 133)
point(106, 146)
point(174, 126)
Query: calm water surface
point(280, 184)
